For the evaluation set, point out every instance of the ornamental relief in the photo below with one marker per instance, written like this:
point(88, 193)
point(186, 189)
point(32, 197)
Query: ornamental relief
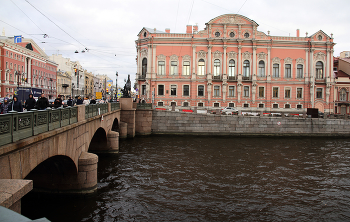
point(288, 60)
point(320, 56)
point(186, 57)
point(217, 55)
point(246, 55)
point(276, 60)
point(262, 55)
point(161, 57)
point(174, 57)
point(231, 20)
point(300, 60)
point(24, 123)
point(144, 53)
point(232, 55)
point(42, 119)
point(4, 127)
point(201, 54)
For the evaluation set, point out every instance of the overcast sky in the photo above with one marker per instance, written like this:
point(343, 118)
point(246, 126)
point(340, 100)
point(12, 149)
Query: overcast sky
point(109, 28)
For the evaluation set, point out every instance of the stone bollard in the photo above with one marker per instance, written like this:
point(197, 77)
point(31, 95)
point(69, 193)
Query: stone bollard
point(261, 113)
point(304, 114)
point(112, 142)
point(123, 130)
point(282, 115)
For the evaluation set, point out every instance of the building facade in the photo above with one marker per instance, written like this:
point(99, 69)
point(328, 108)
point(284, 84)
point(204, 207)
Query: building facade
point(89, 84)
point(64, 84)
point(25, 64)
point(231, 63)
point(342, 86)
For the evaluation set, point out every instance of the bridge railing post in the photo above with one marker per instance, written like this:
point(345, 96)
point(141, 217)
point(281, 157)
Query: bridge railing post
point(6, 128)
point(73, 115)
point(41, 121)
point(22, 125)
point(64, 117)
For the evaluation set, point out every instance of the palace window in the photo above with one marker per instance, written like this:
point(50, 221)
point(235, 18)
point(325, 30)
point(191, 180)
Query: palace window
point(173, 104)
point(287, 71)
point(173, 68)
point(246, 35)
point(216, 104)
point(231, 105)
point(200, 104)
point(261, 92)
point(186, 90)
point(275, 92)
point(216, 67)
point(185, 104)
point(261, 105)
point(300, 71)
point(287, 93)
point(319, 93)
point(275, 106)
point(200, 90)
point(287, 106)
point(246, 91)
point(342, 95)
point(246, 68)
point(261, 69)
point(201, 64)
point(232, 34)
point(299, 93)
point(160, 90)
point(299, 106)
point(216, 91)
point(144, 66)
point(231, 68)
point(319, 70)
point(186, 68)
point(231, 91)
point(173, 90)
point(276, 72)
point(143, 90)
point(161, 68)
point(160, 104)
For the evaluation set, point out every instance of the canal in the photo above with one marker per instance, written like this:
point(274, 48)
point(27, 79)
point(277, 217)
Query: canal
point(183, 178)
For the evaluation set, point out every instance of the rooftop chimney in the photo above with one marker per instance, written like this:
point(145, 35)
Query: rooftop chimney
point(195, 28)
point(188, 29)
point(298, 33)
point(167, 30)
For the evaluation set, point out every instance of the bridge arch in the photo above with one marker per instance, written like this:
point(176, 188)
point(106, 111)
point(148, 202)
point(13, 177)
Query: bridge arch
point(98, 141)
point(115, 125)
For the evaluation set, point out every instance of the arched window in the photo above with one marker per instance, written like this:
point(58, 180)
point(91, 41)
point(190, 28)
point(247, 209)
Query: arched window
point(144, 66)
point(276, 70)
point(231, 68)
point(342, 95)
point(261, 68)
point(216, 67)
point(201, 64)
point(300, 71)
point(246, 68)
point(319, 70)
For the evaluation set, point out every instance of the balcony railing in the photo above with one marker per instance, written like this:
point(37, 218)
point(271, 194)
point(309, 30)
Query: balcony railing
point(232, 78)
point(246, 78)
point(217, 78)
point(142, 77)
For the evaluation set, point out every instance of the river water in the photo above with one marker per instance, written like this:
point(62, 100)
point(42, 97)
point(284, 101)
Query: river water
point(183, 178)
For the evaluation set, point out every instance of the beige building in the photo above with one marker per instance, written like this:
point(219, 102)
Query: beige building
point(344, 54)
point(104, 79)
point(64, 84)
point(89, 84)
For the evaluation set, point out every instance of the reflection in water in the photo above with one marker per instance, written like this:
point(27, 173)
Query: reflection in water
point(174, 178)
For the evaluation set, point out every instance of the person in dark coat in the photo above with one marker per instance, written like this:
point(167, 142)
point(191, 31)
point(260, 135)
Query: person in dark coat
point(70, 102)
point(93, 101)
point(4, 108)
point(16, 105)
point(42, 103)
point(58, 102)
point(79, 101)
point(30, 103)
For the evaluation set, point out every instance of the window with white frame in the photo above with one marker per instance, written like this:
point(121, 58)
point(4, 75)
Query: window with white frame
point(200, 104)
point(186, 68)
point(160, 90)
point(143, 90)
point(276, 70)
point(160, 104)
point(261, 68)
point(185, 104)
point(231, 68)
point(200, 90)
point(299, 106)
point(319, 70)
point(287, 93)
point(231, 91)
point(246, 91)
point(201, 64)
point(161, 67)
point(300, 70)
point(299, 93)
point(319, 93)
point(186, 90)
point(216, 67)
point(342, 95)
point(261, 105)
point(261, 91)
point(246, 68)
point(216, 91)
point(231, 105)
point(144, 66)
point(275, 92)
point(288, 71)
point(275, 106)
point(287, 106)
point(216, 104)
point(173, 68)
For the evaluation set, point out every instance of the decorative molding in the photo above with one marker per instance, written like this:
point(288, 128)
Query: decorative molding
point(320, 56)
point(161, 57)
point(186, 57)
point(262, 55)
point(144, 53)
point(174, 58)
point(300, 61)
point(201, 54)
point(288, 60)
point(276, 60)
point(231, 20)
point(246, 55)
point(232, 55)
point(217, 55)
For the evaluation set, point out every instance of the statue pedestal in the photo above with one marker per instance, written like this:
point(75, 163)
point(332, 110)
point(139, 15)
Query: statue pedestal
point(126, 103)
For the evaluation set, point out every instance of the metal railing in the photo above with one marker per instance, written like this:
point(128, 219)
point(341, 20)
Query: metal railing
point(144, 106)
point(15, 126)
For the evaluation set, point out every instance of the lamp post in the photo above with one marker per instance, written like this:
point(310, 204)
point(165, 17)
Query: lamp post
point(116, 86)
point(51, 87)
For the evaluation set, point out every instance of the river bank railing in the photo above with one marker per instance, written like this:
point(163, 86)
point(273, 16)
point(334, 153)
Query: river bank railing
point(15, 126)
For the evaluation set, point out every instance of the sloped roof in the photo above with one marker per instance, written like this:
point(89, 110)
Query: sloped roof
point(340, 73)
point(320, 32)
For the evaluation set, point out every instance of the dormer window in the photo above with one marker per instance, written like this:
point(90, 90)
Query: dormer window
point(232, 34)
point(145, 34)
point(246, 35)
point(217, 34)
point(319, 37)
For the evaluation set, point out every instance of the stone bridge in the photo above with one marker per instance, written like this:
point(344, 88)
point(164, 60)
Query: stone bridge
point(52, 150)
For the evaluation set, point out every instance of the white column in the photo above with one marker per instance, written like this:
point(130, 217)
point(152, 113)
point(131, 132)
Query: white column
point(209, 59)
point(149, 61)
point(254, 61)
point(154, 61)
point(224, 71)
point(269, 61)
point(239, 60)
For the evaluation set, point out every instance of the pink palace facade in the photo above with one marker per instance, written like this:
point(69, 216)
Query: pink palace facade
point(231, 63)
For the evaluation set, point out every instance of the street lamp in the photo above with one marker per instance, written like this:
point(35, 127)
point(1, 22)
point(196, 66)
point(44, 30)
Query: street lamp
point(51, 87)
point(116, 86)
